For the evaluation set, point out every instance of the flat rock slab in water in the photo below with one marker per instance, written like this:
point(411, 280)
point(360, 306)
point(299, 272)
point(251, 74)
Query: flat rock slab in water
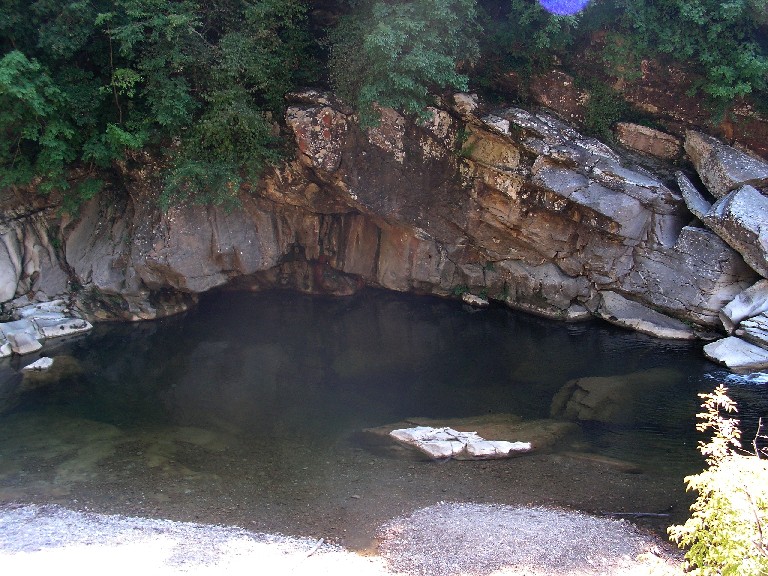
point(737, 354)
point(441, 443)
point(542, 434)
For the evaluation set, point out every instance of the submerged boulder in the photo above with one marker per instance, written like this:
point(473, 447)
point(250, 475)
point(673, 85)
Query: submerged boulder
point(621, 399)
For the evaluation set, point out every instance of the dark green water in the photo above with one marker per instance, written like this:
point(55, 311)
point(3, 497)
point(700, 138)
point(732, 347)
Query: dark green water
point(248, 411)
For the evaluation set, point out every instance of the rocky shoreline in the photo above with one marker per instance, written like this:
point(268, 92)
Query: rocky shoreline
point(505, 205)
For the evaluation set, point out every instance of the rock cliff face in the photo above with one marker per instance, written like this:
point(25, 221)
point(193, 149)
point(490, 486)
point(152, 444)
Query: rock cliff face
point(510, 205)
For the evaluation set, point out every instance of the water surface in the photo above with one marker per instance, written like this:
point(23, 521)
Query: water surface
point(249, 410)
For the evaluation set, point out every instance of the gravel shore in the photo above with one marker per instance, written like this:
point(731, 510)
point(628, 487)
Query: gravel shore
point(443, 540)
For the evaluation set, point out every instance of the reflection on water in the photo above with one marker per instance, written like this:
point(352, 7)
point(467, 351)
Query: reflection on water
point(247, 410)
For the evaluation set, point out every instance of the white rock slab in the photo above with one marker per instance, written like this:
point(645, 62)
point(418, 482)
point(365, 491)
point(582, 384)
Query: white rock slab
point(57, 327)
point(23, 343)
point(442, 443)
point(738, 355)
point(39, 365)
point(623, 312)
point(751, 302)
point(473, 300)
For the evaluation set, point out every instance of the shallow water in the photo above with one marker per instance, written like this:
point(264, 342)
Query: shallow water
point(248, 411)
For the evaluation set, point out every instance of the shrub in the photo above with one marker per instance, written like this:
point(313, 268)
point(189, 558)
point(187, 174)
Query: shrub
point(728, 529)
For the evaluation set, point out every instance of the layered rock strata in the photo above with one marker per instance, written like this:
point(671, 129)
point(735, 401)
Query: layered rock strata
point(512, 206)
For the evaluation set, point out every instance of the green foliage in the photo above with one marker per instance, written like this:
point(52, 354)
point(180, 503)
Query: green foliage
point(394, 54)
point(721, 38)
point(604, 108)
point(84, 82)
point(728, 529)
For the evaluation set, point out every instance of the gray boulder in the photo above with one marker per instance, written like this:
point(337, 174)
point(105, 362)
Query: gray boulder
point(755, 330)
point(618, 310)
point(741, 219)
point(751, 302)
point(721, 167)
point(737, 354)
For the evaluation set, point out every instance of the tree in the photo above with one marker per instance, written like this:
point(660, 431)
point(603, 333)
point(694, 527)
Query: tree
point(394, 54)
point(196, 83)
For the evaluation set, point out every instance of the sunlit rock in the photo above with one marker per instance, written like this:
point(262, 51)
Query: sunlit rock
point(723, 168)
point(41, 364)
point(751, 302)
point(648, 140)
point(754, 330)
point(737, 354)
point(542, 434)
point(442, 443)
point(473, 300)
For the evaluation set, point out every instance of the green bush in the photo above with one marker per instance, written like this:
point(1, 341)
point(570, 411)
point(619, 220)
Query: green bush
point(196, 83)
point(728, 529)
point(394, 54)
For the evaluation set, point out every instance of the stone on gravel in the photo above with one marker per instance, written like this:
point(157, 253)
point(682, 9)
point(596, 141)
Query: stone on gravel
point(737, 354)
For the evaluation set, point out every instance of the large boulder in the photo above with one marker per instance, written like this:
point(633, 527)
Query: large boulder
point(723, 168)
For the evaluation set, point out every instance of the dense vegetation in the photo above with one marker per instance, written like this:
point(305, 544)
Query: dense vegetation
point(200, 85)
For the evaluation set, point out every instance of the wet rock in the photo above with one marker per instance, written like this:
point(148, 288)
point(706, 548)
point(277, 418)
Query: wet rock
point(648, 140)
point(737, 355)
point(543, 435)
point(751, 302)
point(23, 343)
point(754, 330)
point(721, 167)
point(619, 400)
point(473, 300)
point(43, 363)
point(443, 443)
point(618, 310)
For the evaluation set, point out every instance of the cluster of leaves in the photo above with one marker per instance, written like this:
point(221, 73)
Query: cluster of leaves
point(727, 532)
point(724, 41)
point(395, 54)
point(83, 82)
